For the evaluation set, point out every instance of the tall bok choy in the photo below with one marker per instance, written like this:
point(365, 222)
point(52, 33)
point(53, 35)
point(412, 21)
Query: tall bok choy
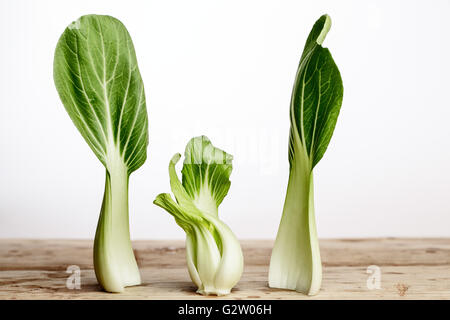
point(213, 253)
point(98, 80)
point(315, 103)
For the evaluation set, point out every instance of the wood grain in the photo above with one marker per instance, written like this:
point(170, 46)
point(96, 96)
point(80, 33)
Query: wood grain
point(410, 269)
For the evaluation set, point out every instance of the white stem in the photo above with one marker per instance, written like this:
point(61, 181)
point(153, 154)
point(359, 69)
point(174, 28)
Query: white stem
point(114, 262)
point(295, 263)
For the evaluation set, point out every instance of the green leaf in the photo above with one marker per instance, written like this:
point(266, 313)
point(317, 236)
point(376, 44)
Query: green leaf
point(205, 175)
point(316, 98)
point(98, 80)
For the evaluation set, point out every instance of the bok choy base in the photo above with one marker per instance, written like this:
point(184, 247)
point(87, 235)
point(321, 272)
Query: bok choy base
point(213, 253)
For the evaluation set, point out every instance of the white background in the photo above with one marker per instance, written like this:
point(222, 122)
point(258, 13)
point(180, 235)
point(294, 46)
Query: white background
point(225, 69)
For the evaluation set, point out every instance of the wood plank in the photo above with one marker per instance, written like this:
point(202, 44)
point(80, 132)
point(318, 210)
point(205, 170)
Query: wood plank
point(410, 269)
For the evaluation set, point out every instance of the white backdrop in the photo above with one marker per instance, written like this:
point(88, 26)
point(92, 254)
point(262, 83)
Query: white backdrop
point(225, 69)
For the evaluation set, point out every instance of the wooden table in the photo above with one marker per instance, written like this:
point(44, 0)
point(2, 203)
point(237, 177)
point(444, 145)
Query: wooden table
point(410, 269)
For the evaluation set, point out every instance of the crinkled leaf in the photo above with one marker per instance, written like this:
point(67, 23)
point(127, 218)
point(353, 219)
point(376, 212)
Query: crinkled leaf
point(206, 174)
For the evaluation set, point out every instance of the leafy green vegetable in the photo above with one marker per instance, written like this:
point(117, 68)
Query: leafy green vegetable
point(97, 78)
point(316, 100)
point(213, 253)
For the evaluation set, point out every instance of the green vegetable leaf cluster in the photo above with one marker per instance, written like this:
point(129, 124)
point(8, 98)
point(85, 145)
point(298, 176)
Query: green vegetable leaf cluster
point(213, 253)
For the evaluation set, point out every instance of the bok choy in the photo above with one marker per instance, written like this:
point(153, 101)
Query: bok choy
point(315, 103)
point(213, 253)
point(98, 80)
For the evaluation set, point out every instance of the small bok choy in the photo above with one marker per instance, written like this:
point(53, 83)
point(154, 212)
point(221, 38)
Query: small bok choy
point(315, 103)
point(98, 80)
point(213, 253)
